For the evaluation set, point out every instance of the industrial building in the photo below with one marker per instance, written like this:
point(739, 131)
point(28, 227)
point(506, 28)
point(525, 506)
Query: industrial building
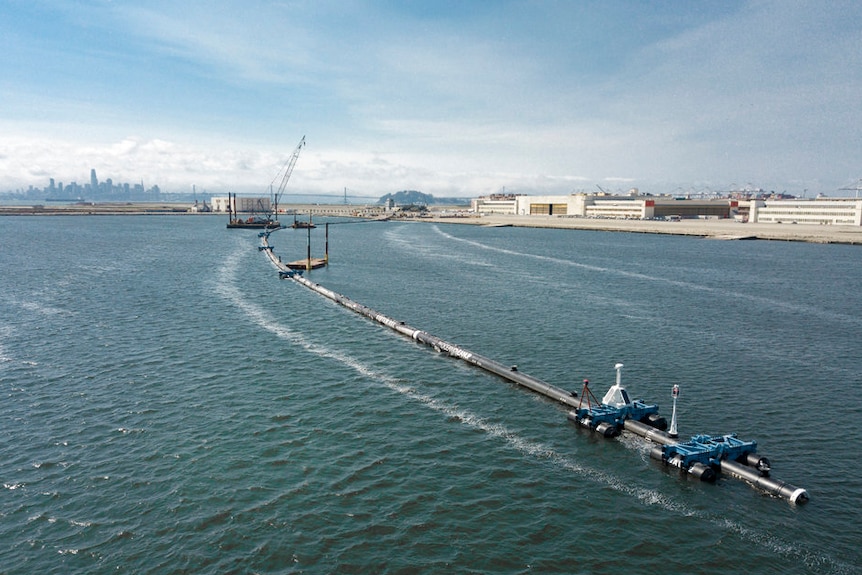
point(823, 211)
point(607, 206)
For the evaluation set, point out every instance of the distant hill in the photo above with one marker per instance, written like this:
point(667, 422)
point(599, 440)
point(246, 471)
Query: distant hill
point(415, 198)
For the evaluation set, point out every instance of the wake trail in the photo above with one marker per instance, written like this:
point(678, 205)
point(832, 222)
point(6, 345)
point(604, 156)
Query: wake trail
point(788, 306)
point(228, 288)
point(396, 238)
point(6, 332)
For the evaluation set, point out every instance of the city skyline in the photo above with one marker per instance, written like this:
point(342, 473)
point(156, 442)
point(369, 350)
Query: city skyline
point(107, 190)
point(92, 190)
point(454, 99)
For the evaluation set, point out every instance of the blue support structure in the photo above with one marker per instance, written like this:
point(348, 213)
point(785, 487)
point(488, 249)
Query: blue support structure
point(616, 415)
point(608, 417)
point(707, 450)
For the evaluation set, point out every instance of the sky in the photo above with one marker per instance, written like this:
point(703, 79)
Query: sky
point(454, 98)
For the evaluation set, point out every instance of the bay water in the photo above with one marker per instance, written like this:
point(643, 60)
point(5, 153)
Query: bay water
point(169, 405)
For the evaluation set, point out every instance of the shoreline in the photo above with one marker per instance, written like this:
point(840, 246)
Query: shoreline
point(97, 209)
point(703, 228)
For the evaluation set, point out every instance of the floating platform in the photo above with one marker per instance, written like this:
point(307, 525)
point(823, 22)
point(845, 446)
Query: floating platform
point(253, 225)
point(307, 264)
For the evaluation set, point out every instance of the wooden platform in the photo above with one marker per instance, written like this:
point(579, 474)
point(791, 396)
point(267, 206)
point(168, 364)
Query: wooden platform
point(303, 264)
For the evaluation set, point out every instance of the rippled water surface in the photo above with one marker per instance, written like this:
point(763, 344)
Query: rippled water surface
point(169, 405)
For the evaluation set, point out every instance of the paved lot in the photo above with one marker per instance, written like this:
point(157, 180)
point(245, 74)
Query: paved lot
point(717, 229)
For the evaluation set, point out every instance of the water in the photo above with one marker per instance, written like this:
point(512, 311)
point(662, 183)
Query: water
point(169, 405)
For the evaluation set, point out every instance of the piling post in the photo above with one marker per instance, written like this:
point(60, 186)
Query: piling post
point(308, 249)
point(326, 250)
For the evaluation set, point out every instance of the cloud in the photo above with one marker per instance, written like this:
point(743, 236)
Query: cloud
point(464, 98)
point(124, 147)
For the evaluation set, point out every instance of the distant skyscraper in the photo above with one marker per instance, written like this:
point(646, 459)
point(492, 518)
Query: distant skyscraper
point(94, 182)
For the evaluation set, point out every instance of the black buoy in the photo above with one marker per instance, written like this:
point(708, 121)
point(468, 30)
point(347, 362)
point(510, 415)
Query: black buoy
point(758, 462)
point(702, 472)
point(657, 421)
point(606, 429)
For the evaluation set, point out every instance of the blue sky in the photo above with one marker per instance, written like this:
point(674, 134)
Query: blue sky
point(450, 98)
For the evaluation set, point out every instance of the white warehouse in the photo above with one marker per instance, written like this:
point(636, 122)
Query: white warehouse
point(824, 211)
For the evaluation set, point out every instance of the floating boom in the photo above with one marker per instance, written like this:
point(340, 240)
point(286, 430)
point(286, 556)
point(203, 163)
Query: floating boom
point(702, 456)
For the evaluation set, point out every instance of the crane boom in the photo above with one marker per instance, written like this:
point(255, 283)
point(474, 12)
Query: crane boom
point(287, 170)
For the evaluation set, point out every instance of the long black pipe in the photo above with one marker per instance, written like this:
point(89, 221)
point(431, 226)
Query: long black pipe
point(648, 432)
point(510, 373)
point(773, 486)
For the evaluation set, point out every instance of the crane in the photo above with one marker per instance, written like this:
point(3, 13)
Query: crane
point(285, 172)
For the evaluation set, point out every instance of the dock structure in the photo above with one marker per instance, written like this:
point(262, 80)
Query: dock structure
point(701, 457)
point(307, 264)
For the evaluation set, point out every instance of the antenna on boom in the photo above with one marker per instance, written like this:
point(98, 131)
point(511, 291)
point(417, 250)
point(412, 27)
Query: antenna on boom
point(855, 187)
